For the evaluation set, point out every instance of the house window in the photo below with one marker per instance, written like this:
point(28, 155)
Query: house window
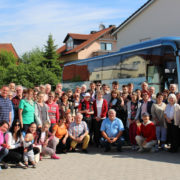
point(69, 44)
point(106, 46)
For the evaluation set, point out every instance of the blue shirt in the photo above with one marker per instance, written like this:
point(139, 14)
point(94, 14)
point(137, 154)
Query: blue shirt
point(112, 128)
point(5, 108)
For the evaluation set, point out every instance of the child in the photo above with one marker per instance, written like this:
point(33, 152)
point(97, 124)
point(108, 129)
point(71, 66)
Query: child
point(28, 150)
point(48, 142)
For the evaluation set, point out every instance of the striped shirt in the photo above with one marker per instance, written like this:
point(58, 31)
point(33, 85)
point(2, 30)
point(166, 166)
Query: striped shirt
point(5, 108)
point(77, 130)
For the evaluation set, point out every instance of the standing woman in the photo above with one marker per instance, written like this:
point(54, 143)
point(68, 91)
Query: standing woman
point(53, 110)
point(117, 104)
point(100, 107)
point(65, 106)
point(41, 110)
point(133, 110)
point(14, 140)
point(172, 116)
point(157, 111)
point(4, 148)
point(26, 110)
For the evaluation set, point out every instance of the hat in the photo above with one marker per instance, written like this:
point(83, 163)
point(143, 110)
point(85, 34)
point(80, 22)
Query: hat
point(145, 114)
point(87, 94)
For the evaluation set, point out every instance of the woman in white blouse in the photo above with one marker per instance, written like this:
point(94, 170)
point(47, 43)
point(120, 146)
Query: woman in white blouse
point(172, 116)
point(15, 140)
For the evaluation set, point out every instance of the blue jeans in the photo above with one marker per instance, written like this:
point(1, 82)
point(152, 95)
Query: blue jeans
point(3, 153)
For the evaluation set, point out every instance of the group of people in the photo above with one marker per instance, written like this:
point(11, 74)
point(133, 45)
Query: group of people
point(40, 122)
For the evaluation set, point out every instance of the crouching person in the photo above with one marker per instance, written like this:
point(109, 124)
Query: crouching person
point(146, 134)
point(78, 132)
point(112, 129)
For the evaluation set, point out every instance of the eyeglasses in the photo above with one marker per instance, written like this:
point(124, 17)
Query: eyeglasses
point(17, 124)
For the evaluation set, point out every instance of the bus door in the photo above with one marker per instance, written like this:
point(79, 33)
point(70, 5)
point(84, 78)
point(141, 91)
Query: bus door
point(155, 77)
point(170, 73)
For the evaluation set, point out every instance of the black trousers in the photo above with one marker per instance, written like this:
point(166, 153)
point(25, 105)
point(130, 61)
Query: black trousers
point(175, 138)
point(97, 132)
point(63, 147)
point(15, 155)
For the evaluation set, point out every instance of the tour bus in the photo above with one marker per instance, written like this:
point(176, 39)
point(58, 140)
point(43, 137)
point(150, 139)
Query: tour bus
point(155, 61)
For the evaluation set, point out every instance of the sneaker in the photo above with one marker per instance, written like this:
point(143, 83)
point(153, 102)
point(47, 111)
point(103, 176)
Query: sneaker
point(20, 164)
point(55, 157)
point(34, 166)
point(85, 151)
point(73, 150)
point(5, 165)
point(141, 150)
point(26, 166)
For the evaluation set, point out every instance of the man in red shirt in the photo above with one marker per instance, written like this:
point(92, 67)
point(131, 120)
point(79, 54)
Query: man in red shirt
point(146, 134)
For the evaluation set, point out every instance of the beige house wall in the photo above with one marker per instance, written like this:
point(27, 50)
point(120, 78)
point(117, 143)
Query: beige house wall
point(87, 52)
point(160, 19)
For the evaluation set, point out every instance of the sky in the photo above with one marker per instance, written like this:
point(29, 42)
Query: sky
point(27, 23)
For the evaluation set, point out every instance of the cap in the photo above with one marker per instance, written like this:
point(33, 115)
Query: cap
point(87, 94)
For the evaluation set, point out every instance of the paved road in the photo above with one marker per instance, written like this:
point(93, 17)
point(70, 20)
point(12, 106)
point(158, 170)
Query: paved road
point(98, 165)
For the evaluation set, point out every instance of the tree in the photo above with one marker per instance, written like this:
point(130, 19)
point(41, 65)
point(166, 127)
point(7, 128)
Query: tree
point(52, 61)
point(35, 67)
point(7, 63)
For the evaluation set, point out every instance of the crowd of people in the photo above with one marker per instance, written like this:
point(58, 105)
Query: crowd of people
point(40, 122)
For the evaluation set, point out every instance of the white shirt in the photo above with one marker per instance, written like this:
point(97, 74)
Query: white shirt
point(169, 111)
point(99, 107)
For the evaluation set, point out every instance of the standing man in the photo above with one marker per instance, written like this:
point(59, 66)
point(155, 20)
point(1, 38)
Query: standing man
point(78, 132)
point(86, 108)
point(5, 105)
point(16, 100)
point(112, 129)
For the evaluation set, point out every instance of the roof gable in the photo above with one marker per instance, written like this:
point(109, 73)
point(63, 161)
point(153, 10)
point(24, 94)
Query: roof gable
point(9, 48)
point(90, 38)
point(130, 18)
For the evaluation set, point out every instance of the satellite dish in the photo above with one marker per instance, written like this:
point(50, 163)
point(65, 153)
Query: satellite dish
point(101, 27)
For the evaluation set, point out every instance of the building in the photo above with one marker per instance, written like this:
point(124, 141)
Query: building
point(156, 18)
point(8, 48)
point(82, 46)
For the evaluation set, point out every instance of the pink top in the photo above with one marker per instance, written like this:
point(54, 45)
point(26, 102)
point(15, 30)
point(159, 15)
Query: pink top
point(1, 139)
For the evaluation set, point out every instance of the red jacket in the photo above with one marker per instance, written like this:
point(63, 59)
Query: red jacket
point(83, 105)
point(104, 109)
point(148, 131)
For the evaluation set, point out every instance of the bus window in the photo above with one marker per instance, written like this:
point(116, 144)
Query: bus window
point(133, 65)
point(170, 69)
point(111, 68)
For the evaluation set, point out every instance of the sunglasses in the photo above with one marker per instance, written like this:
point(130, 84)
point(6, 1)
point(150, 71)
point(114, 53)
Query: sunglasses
point(17, 125)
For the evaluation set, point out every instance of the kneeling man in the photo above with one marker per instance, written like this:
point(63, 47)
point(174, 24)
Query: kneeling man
point(146, 134)
point(78, 132)
point(112, 129)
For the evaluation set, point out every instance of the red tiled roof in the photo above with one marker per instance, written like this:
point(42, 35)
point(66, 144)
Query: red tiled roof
point(90, 38)
point(61, 49)
point(77, 36)
point(9, 48)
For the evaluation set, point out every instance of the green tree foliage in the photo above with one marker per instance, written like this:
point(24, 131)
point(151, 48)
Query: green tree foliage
point(34, 68)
